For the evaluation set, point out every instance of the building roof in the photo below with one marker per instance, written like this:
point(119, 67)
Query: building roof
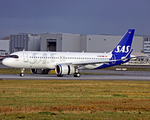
point(6, 38)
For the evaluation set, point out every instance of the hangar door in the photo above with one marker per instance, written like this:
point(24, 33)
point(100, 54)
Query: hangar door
point(51, 44)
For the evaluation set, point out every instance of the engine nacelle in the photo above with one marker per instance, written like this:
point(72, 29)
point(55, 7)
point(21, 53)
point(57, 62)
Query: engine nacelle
point(64, 69)
point(39, 71)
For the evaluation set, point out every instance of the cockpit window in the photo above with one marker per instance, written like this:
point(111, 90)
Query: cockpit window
point(13, 56)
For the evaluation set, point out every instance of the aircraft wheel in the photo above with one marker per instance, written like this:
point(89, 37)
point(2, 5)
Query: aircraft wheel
point(77, 74)
point(59, 75)
point(21, 74)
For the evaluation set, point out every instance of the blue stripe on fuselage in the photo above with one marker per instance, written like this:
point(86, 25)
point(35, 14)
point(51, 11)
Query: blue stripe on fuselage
point(111, 64)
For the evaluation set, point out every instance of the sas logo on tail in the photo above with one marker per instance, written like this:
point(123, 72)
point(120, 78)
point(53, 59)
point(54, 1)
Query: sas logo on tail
point(124, 49)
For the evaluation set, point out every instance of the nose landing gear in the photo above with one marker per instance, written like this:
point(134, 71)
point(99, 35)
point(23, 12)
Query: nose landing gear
point(22, 72)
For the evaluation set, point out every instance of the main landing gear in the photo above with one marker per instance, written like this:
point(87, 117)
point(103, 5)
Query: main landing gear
point(76, 74)
point(22, 72)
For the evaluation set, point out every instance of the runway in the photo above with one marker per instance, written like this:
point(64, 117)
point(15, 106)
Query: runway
point(122, 75)
point(70, 77)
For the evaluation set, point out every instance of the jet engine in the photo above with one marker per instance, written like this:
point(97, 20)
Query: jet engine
point(64, 69)
point(39, 71)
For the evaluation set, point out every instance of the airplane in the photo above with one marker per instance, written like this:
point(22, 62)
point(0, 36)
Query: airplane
point(69, 63)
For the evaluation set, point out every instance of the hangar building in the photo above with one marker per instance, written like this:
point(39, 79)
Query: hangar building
point(28, 42)
point(4, 47)
point(60, 42)
point(88, 43)
point(146, 45)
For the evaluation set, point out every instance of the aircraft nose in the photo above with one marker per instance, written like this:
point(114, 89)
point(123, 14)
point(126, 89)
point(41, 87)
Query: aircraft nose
point(6, 62)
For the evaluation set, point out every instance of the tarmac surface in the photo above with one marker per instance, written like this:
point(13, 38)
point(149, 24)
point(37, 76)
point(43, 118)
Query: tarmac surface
point(122, 75)
point(70, 77)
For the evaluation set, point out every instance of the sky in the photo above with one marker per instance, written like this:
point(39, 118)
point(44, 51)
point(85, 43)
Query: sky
point(90, 17)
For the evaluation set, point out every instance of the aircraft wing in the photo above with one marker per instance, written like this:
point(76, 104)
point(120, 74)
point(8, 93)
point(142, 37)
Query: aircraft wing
point(93, 62)
point(89, 62)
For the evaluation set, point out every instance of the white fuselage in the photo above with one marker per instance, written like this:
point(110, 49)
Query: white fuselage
point(48, 60)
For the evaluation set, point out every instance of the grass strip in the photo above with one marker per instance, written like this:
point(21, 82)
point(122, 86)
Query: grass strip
point(74, 99)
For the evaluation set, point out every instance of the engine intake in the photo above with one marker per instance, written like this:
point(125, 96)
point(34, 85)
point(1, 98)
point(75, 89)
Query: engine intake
point(64, 69)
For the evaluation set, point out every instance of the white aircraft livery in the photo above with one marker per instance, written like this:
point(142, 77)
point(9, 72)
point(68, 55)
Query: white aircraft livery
point(67, 63)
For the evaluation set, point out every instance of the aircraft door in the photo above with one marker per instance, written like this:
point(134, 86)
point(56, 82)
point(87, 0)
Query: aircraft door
point(25, 57)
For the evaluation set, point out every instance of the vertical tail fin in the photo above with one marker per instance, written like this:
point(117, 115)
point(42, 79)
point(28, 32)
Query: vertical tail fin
point(124, 46)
